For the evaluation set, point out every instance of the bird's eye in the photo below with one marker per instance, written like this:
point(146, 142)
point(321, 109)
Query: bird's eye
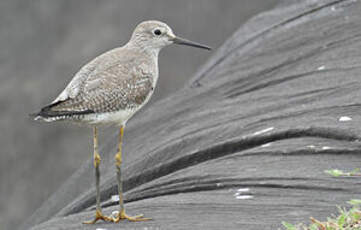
point(157, 32)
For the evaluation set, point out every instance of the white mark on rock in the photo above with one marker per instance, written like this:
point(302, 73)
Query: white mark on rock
point(263, 131)
point(311, 146)
point(240, 191)
point(322, 67)
point(326, 148)
point(333, 8)
point(219, 184)
point(115, 198)
point(115, 214)
point(266, 145)
point(345, 118)
point(101, 229)
point(243, 190)
point(244, 197)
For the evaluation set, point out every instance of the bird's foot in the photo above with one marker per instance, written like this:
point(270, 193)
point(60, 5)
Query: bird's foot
point(98, 216)
point(123, 216)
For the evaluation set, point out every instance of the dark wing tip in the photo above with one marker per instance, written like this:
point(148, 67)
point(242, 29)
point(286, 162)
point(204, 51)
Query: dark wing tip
point(33, 115)
point(47, 112)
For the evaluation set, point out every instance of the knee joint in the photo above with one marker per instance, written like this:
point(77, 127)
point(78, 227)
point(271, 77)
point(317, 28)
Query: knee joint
point(97, 160)
point(118, 159)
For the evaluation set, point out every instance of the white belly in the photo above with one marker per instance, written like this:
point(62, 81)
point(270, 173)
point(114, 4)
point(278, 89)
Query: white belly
point(114, 118)
point(119, 117)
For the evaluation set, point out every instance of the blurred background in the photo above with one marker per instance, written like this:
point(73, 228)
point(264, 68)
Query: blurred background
point(43, 43)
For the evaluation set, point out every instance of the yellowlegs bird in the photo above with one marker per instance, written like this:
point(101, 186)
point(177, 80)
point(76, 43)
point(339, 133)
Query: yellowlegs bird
point(110, 90)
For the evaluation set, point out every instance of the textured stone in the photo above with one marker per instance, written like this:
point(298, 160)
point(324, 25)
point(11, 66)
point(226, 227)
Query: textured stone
point(261, 114)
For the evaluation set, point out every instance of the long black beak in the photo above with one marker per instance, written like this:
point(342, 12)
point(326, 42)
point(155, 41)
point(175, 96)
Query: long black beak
point(182, 41)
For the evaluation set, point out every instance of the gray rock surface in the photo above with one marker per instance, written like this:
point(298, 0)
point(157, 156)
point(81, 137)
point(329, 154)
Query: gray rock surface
point(43, 43)
point(263, 114)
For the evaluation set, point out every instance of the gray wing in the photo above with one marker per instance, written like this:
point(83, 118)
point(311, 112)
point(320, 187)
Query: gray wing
point(105, 85)
point(97, 65)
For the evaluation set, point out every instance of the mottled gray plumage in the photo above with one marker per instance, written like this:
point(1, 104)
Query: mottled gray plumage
point(119, 79)
point(113, 86)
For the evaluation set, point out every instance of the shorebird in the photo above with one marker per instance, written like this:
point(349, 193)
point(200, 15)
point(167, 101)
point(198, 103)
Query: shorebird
point(110, 90)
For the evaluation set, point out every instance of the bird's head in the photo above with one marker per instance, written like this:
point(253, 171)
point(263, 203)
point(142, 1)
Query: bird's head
point(156, 35)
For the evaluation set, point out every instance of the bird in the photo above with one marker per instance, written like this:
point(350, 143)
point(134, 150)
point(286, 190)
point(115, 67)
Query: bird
point(109, 90)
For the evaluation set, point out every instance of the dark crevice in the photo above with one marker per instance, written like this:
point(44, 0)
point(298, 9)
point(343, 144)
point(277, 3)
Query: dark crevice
point(266, 73)
point(235, 92)
point(217, 151)
point(196, 81)
point(183, 185)
point(224, 183)
point(313, 93)
point(195, 182)
point(306, 152)
point(221, 122)
point(244, 83)
point(300, 152)
point(300, 113)
point(234, 146)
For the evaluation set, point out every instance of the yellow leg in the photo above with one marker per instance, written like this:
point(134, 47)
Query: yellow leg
point(97, 159)
point(118, 163)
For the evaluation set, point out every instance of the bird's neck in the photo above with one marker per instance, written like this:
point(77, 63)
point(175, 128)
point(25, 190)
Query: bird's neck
point(141, 47)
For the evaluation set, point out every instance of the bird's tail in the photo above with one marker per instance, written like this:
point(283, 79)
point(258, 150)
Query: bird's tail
point(39, 117)
point(49, 114)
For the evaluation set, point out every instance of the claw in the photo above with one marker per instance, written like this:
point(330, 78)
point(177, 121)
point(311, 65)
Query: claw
point(98, 216)
point(122, 216)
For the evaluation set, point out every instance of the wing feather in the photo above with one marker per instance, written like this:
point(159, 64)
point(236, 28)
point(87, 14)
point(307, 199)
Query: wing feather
point(106, 84)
